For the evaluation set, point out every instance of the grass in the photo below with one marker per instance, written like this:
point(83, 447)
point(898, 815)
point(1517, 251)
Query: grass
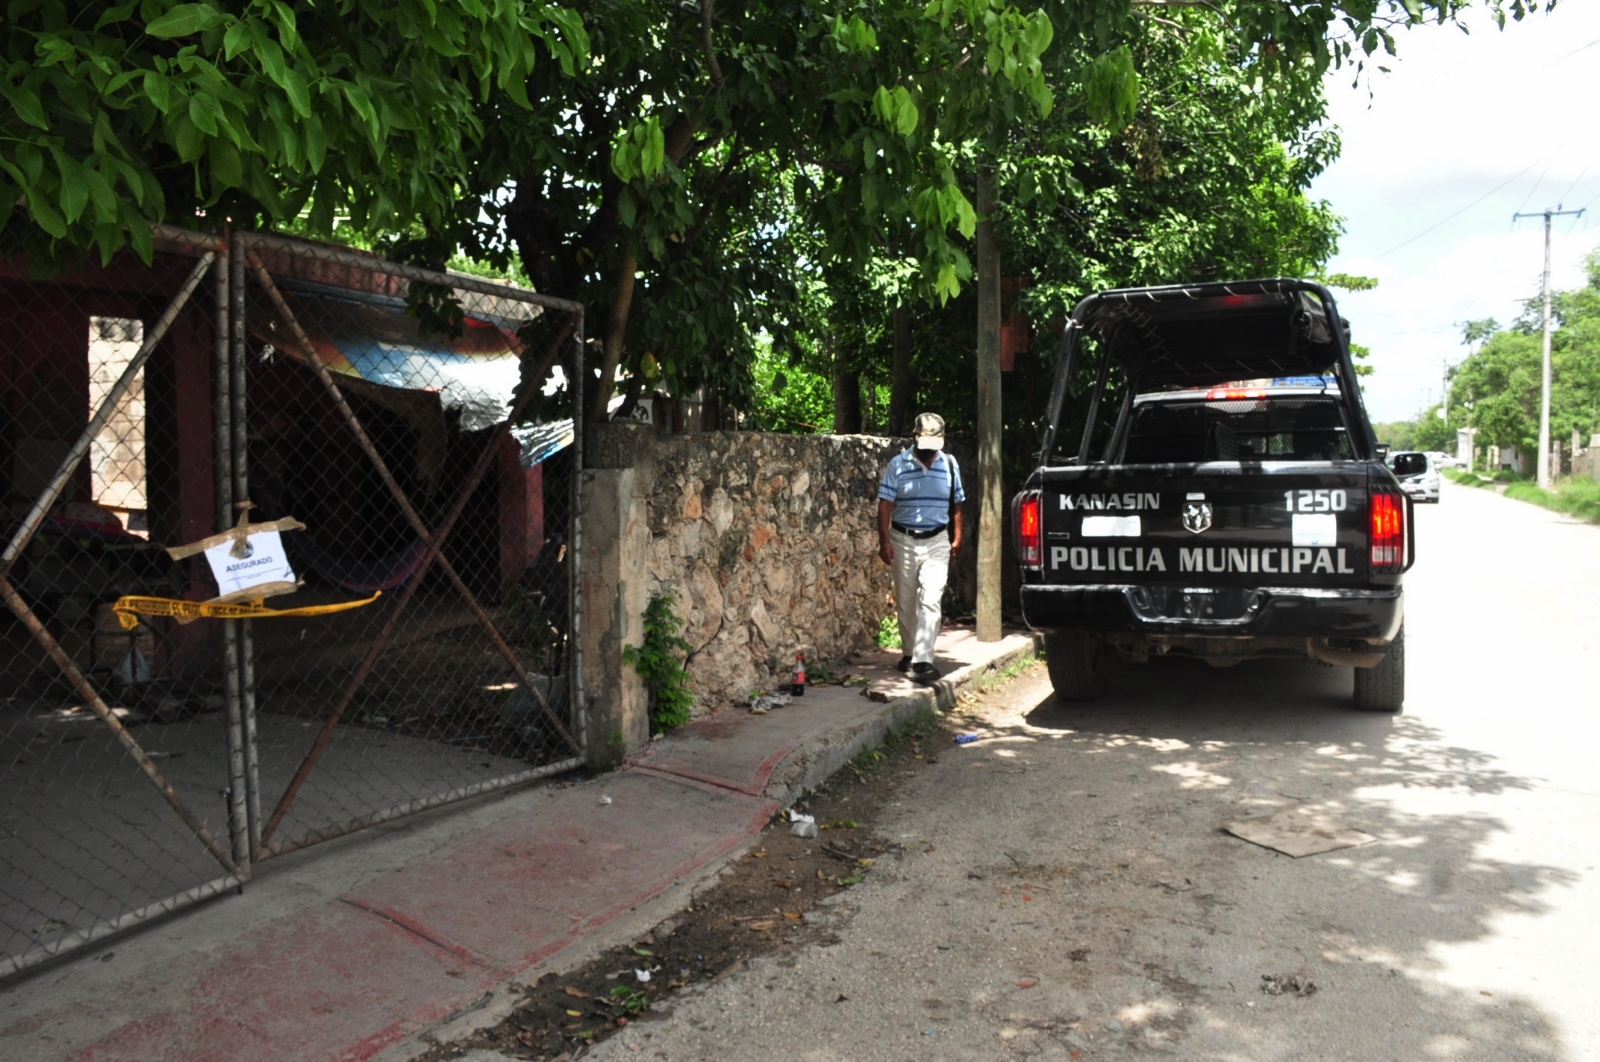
point(1575, 497)
point(994, 678)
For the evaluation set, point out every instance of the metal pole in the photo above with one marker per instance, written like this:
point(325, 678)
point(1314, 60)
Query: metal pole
point(47, 500)
point(238, 819)
point(239, 396)
point(991, 489)
point(1543, 460)
point(1544, 367)
point(580, 714)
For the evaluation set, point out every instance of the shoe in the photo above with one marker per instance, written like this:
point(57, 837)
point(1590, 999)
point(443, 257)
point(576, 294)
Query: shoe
point(926, 674)
point(904, 664)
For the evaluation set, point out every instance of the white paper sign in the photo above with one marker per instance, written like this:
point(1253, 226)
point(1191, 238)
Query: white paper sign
point(264, 562)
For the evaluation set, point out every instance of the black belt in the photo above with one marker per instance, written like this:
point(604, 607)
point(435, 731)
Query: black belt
point(904, 530)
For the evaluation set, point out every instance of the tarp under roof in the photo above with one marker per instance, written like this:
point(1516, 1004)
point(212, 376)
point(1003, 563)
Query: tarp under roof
point(373, 338)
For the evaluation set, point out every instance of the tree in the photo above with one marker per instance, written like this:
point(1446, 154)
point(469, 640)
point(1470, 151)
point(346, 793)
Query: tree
point(1497, 387)
point(118, 115)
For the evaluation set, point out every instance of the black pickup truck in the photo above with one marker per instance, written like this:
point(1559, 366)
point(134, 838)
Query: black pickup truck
point(1210, 485)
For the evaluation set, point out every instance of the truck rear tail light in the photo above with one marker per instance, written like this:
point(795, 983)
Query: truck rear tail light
point(1030, 536)
point(1387, 517)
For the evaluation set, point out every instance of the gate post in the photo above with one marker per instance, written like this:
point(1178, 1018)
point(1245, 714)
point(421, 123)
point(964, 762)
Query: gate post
point(613, 569)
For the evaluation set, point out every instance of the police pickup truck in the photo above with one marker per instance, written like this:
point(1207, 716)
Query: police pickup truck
point(1210, 485)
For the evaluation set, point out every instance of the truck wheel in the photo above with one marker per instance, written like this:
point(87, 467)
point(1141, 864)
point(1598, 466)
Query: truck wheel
point(1076, 661)
point(1383, 688)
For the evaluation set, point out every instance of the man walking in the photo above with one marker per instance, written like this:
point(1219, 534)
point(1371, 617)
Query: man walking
point(919, 530)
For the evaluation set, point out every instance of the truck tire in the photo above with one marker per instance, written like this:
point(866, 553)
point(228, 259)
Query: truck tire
point(1076, 661)
point(1383, 688)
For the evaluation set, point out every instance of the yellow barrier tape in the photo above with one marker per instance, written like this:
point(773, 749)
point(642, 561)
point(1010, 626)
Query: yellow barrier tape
point(129, 609)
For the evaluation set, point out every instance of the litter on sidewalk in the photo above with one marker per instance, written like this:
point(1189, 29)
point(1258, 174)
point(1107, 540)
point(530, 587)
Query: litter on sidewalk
point(1299, 832)
point(761, 704)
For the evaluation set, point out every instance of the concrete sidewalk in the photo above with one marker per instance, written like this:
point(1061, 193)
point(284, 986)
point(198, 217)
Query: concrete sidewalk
point(360, 948)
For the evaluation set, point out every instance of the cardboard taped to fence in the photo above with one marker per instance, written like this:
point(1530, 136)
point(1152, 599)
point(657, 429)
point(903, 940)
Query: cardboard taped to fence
point(248, 560)
point(129, 609)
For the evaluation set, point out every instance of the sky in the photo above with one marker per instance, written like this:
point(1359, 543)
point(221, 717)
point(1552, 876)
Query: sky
point(1464, 131)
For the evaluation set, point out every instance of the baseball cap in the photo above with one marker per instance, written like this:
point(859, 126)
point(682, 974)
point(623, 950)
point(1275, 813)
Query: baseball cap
point(929, 431)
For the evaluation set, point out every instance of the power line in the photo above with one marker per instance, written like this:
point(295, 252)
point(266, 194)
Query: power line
point(1463, 210)
point(1581, 175)
point(1575, 51)
point(1535, 187)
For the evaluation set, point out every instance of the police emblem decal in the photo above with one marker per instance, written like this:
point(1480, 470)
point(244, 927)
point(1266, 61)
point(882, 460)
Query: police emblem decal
point(1196, 516)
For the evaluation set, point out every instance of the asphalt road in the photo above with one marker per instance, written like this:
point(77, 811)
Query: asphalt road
point(1068, 891)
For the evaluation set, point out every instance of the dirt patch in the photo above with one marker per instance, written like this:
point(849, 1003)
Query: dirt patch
point(763, 904)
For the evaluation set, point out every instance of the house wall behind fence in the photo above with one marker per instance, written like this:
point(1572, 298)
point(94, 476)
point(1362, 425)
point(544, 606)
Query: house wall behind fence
point(771, 544)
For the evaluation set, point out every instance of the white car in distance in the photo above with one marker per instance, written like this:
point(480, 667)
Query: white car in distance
point(1417, 473)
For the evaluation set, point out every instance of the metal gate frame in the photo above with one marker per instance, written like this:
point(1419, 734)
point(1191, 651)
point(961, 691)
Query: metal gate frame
point(211, 252)
point(261, 836)
point(232, 261)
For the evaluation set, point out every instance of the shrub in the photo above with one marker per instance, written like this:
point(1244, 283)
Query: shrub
point(658, 664)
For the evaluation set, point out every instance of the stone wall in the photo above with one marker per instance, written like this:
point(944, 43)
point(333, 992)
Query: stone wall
point(770, 542)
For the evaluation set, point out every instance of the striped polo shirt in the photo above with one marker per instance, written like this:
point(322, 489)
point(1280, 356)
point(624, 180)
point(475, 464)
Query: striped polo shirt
point(921, 496)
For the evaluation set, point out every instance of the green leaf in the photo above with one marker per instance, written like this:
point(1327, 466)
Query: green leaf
point(45, 216)
point(187, 138)
point(26, 103)
point(883, 105)
point(101, 195)
point(158, 90)
point(204, 112)
point(653, 152)
point(226, 168)
point(138, 235)
point(316, 143)
point(1040, 33)
point(74, 195)
point(236, 40)
point(185, 20)
point(299, 93)
point(905, 112)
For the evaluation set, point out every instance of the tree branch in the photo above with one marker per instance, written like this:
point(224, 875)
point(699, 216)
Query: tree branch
point(707, 13)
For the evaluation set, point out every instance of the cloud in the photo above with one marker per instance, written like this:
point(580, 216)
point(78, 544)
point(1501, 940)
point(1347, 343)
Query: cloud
point(1478, 126)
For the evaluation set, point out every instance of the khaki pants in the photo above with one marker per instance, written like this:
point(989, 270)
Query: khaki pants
point(921, 567)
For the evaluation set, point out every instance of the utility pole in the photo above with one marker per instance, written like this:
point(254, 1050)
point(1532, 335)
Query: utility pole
point(991, 501)
point(1544, 371)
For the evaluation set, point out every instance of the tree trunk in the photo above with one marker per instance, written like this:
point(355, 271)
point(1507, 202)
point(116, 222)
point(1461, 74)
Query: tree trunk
point(846, 401)
point(677, 139)
point(616, 331)
point(900, 396)
point(990, 487)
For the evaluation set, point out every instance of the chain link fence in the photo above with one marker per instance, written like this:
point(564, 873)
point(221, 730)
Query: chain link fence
point(416, 426)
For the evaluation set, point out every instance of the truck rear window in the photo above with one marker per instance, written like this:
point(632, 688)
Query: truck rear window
point(1255, 429)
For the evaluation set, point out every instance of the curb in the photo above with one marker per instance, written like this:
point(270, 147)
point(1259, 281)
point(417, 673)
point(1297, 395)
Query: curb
point(814, 762)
